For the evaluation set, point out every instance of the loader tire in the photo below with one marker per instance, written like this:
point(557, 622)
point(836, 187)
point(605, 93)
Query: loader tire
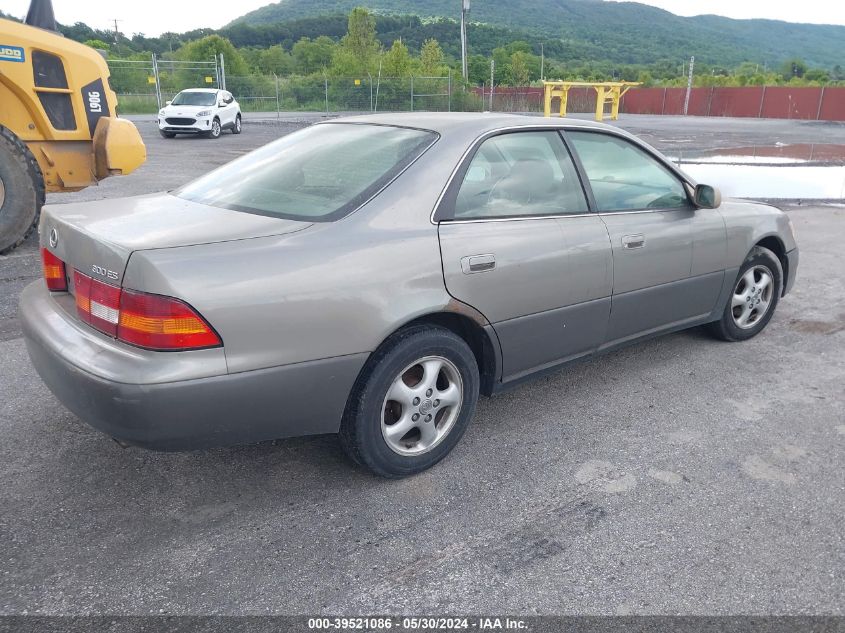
point(21, 191)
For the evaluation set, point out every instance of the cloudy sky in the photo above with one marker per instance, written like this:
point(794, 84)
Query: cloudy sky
point(151, 17)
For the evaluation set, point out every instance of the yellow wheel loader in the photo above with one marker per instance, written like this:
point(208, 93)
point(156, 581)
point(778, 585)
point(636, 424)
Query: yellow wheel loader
point(59, 129)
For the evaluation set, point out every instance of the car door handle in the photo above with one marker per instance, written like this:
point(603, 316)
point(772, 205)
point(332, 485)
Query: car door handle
point(478, 263)
point(633, 241)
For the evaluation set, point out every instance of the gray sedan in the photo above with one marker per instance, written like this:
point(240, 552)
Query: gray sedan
point(371, 276)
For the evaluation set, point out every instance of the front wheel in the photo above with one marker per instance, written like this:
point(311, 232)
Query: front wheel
point(236, 128)
point(412, 403)
point(215, 130)
point(754, 297)
point(167, 134)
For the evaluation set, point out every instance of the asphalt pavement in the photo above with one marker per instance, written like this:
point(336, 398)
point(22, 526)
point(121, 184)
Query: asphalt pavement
point(679, 476)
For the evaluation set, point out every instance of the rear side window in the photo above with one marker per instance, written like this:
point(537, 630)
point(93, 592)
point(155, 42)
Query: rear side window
point(520, 174)
point(318, 174)
point(623, 177)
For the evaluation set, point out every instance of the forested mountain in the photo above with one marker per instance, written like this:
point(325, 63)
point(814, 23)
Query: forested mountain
point(622, 32)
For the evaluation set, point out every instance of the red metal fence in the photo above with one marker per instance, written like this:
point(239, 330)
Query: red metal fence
point(772, 102)
point(768, 102)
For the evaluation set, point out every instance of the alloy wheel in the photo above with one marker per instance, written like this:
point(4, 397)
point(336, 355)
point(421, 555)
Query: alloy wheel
point(752, 296)
point(421, 406)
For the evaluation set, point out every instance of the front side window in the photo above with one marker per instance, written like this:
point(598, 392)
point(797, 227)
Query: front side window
point(195, 99)
point(624, 177)
point(317, 174)
point(520, 174)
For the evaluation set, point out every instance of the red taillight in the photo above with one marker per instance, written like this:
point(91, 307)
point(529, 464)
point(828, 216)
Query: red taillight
point(97, 304)
point(162, 323)
point(152, 321)
point(54, 271)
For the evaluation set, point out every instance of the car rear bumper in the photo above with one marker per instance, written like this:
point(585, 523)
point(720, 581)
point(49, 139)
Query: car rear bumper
point(301, 399)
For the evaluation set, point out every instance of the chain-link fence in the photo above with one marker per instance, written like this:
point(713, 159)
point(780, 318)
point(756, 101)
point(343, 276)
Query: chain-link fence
point(341, 94)
point(145, 85)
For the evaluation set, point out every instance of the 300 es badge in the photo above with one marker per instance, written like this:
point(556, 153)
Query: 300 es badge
point(103, 272)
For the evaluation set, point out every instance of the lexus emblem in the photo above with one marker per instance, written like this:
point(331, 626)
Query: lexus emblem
point(54, 238)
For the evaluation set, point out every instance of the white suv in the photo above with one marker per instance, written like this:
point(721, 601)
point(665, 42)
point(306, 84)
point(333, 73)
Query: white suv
point(204, 111)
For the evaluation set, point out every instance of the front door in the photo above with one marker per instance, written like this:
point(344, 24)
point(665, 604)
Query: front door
point(666, 253)
point(520, 245)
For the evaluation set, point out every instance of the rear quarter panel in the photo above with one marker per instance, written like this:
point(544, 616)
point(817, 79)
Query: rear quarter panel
point(330, 290)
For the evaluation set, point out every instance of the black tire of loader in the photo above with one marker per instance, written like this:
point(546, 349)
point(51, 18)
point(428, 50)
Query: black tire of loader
point(24, 186)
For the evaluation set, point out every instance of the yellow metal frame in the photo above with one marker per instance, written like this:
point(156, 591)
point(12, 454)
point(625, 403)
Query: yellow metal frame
point(606, 92)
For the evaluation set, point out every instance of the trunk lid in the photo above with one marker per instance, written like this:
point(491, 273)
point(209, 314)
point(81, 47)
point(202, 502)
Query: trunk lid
point(97, 238)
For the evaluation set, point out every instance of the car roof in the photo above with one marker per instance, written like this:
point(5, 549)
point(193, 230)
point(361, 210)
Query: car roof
point(469, 122)
point(200, 90)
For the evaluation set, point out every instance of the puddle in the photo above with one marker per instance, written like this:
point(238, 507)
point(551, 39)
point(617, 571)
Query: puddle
point(771, 182)
point(797, 171)
point(777, 154)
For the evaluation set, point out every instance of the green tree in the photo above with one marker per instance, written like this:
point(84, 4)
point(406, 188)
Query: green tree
point(518, 72)
point(793, 68)
point(208, 48)
point(397, 61)
point(98, 44)
point(817, 74)
point(431, 57)
point(479, 69)
point(313, 55)
point(645, 78)
point(360, 39)
point(275, 61)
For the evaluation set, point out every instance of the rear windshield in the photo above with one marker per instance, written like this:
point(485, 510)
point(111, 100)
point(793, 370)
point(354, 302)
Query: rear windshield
point(194, 98)
point(317, 174)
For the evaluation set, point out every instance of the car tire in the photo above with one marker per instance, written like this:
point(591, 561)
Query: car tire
point(21, 191)
point(753, 299)
point(216, 130)
point(398, 389)
point(167, 134)
point(236, 128)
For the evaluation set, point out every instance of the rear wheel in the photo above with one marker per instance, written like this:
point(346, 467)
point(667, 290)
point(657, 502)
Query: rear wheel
point(754, 297)
point(21, 191)
point(236, 128)
point(412, 403)
point(215, 130)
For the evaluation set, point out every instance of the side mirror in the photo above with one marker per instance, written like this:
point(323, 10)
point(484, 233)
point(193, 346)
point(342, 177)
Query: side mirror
point(707, 197)
point(167, 103)
point(221, 104)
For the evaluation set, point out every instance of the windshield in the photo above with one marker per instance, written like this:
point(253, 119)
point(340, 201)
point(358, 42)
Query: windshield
point(195, 98)
point(317, 174)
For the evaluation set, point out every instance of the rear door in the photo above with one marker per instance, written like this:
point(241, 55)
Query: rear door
point(666, 253)
point(519, 244)
point(231, 109)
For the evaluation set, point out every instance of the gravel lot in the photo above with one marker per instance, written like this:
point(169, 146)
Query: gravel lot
point(678, 476)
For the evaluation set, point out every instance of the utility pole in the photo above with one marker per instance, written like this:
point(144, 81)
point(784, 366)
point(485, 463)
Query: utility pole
point(116, 43)
point(464, 13)
point(542, 63)
point(492, 73)
point(689, 84)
